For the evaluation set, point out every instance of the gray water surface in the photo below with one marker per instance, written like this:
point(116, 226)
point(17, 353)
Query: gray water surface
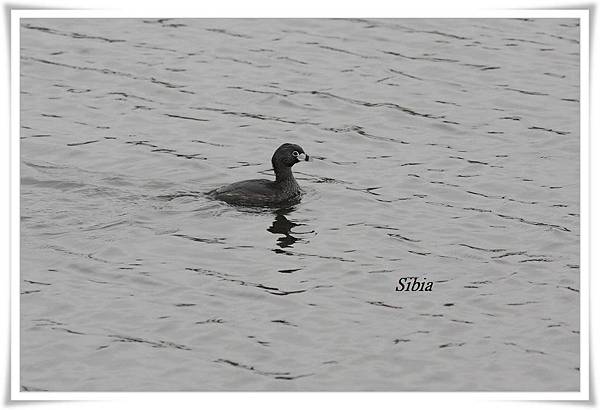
point(443, 149)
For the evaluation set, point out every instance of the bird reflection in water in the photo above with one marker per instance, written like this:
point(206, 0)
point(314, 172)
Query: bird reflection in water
point(282, 225)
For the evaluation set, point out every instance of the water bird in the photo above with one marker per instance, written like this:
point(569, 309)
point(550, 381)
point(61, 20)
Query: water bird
point(263, 192)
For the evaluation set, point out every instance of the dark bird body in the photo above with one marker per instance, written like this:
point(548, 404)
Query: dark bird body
point(263, 192)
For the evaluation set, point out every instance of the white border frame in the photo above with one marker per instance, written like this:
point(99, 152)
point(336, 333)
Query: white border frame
point(361, 399)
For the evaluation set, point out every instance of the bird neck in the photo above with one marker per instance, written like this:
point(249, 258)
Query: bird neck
point(284, 175)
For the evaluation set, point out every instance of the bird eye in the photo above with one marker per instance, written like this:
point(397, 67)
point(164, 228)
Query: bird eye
point(295, 153)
